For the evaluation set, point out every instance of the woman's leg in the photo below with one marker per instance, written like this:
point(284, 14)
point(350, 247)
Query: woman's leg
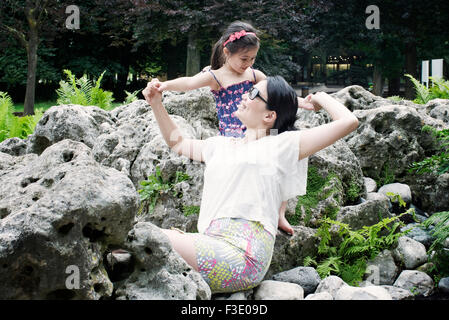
point(183, 244)
point(283, 223)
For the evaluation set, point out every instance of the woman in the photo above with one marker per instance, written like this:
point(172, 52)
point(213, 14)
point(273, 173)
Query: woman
point(247, 179)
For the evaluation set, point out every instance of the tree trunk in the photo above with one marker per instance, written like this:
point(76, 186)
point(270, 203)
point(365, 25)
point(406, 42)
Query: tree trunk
point(410, 68)
point(33, 42)
point(378, 81)
point(193, 55)
point(394, 85)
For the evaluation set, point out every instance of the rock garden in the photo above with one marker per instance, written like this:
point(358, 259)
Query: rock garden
point(90, 189)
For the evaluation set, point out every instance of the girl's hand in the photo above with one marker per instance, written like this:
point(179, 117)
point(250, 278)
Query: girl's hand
point(152, 95)
point(308, 103)
point(160, 86)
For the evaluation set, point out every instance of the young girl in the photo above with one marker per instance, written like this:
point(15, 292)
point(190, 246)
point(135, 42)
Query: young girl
point(230, 76)
point(246, 180)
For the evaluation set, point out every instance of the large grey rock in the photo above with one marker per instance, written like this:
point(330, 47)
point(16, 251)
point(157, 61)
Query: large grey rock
point(14, 146)
point(60, 211)
point(370, 184)
point(418, 233)
point(430, 189)
point(319, 296)
point(410, 253)
point(307, 277)
point(365, 214)
point(290, 251)
point(443, 285)
point(356, 97)
point(365, 293)
point(382, 270)
point(390, 137)
point(417, 282)
point(331, 285)
point(334, 178)
point(135, 146)
point(401, 189)
point(197, 107)
point(397, 293)
point(75, 122)
point(438, 109)
point(159, 272)
point(278, 290)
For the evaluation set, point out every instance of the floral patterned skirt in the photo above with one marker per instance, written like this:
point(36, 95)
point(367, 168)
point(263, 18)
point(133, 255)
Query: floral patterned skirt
point(233, 254)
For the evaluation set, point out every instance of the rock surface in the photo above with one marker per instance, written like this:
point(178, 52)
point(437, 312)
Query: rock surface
point(68, 201)
point(417, 282)
point(278, 290)
point(410, 253)
point(306, 277)
point(365, 293)
point(159, 272)
point(61, 209)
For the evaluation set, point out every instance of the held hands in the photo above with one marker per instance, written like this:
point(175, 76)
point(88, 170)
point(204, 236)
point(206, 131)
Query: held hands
point(309, 102)
point(160, 86)
point(152, 94)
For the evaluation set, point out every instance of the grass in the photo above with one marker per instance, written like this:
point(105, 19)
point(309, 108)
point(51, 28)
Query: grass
point(45, 105)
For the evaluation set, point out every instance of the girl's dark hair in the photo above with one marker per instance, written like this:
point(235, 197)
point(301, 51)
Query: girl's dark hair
point(249, 41)
point(283, 99)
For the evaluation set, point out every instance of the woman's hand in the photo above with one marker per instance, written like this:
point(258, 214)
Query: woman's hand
point(309, 103)
point(151, 93)
point(160, 86)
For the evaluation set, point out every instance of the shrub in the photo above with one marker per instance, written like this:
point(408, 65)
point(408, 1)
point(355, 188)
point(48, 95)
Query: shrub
point(438, 90)
point(83, 92)
point(12, 126)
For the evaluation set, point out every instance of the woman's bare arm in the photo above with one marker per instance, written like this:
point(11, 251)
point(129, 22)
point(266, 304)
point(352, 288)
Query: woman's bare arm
point(344, 122)
point(191, 148)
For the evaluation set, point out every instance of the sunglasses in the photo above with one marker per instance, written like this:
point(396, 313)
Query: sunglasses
point(253, 93)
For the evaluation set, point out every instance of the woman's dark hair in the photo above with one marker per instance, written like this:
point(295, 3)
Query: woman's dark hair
point(249, 41)
point(283, 99)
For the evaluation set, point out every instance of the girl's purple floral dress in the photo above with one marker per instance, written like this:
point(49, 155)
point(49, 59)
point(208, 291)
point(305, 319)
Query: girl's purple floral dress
point(226, 101)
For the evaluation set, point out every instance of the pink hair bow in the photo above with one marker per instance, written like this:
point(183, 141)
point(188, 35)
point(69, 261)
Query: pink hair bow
point(237, 35)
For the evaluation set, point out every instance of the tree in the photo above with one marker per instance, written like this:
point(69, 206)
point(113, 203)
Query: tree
point(24, 19)
point(200, 24)
point(104, 41)
point(407, 29)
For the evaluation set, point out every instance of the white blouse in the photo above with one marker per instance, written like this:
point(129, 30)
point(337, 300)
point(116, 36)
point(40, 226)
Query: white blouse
point(250, 180)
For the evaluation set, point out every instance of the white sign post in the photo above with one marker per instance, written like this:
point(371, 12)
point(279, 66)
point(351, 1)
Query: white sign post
point(425, 73)
point(437, 68)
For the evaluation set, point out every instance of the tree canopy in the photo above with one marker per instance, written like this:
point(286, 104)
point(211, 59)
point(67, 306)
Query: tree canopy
point(149, 38)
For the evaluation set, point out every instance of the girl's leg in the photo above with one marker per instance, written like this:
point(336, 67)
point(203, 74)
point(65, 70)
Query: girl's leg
point(283, 223)
point(183, 244)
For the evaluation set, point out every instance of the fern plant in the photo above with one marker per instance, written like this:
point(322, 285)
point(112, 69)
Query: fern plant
point(438, 162)
point(439, 255)
point(155, 186)
point(348, 259)
point(83, 92)
point(440, 220)
point(439, 89)
point(12, 126)
point(131, 97)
